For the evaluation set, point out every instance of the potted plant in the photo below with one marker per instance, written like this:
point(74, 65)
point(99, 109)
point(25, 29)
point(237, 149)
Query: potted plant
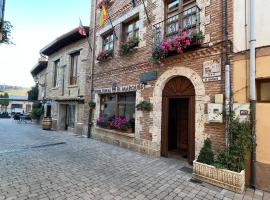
point(102, 121)
point(129, 46)
point(144, 106)
point(176, 44)
point(92, 104)
point(105, 55)
point(126, 128)
point(226, 169)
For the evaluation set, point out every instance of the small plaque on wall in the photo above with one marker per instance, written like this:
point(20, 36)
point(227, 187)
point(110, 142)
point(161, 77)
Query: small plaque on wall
point(148, 76)
point(212, 70)
point(215, 112)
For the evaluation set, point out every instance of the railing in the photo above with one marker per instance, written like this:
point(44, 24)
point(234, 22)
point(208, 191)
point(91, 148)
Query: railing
point(186, 20)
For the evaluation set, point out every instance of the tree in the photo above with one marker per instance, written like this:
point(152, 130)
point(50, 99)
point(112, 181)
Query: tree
point(33, 93)
point(6, 32)
point(4, 102)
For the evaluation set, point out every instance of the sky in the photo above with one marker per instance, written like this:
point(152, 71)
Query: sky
point(36, 23)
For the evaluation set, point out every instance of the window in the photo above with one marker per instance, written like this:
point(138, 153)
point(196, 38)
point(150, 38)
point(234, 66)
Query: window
point(263, 90)
point(122, 104)
point(131, 29)
point(108, 42)
point(56, 73)
point(74, 68)
point(175, 21)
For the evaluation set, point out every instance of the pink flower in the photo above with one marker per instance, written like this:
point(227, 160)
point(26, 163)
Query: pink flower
point(187, 42)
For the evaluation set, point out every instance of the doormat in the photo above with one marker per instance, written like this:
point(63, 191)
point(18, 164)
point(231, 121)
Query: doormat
point(186, 170)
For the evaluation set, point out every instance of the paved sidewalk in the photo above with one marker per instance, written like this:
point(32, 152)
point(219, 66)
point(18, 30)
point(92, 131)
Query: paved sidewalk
point(37, 164)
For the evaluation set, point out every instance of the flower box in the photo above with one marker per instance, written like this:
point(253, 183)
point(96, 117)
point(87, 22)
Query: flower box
point(105, 55)
point(227, 179)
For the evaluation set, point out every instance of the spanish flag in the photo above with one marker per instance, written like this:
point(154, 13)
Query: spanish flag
point(103, 14)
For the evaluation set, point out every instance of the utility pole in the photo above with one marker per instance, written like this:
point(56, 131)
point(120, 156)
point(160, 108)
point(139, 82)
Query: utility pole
point(252, 88)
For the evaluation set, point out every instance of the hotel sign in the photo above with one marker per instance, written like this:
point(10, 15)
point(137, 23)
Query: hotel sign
point(212, 70)
point(118, 89)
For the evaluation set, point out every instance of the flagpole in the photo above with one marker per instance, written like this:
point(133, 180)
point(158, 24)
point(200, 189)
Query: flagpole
point(87, 38)
point(146, 12)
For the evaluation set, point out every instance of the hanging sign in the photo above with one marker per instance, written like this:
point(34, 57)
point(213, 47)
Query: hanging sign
point(118, 89)
point(212, 70)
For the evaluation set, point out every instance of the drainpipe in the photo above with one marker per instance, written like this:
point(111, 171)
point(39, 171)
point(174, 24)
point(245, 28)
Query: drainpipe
point(252, 88)
point(92, 64)
point(227, 71)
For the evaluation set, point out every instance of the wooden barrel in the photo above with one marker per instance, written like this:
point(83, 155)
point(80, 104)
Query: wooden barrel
point(47, 123)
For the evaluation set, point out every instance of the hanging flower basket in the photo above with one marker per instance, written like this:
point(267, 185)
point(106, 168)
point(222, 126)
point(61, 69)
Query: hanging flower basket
point(129, 46)
point(177, 44)
point(105, 55)
point(144, 106)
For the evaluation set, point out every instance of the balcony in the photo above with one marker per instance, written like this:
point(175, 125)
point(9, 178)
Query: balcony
point(187, 20)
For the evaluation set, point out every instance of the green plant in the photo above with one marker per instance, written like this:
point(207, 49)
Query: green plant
point(233, 157)
point(33, 93)
point(206, 154)
point(92, 104)
point(6, 32)
point(125, 126)
point(144, 105)
point(37, 110)
point(240, 143)
point(128, 46)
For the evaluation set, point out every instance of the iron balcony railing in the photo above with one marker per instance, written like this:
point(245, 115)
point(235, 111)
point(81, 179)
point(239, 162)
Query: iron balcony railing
point(186, 20)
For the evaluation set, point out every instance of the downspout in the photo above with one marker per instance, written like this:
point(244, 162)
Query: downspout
point(227, 72)
point(252, 88)
point(92, 65)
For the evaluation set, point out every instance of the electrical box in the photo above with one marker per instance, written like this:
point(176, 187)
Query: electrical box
point(241, 111)
point(219, 98)
point(215, 112)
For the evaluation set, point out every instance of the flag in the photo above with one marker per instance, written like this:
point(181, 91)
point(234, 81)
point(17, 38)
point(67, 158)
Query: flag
point(81, 29)
point(133, 3)
point(103, 14)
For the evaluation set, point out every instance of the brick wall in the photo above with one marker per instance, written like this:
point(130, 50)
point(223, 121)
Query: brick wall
point(125, 70)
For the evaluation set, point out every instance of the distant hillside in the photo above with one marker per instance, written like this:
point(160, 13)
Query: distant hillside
point(14, 90)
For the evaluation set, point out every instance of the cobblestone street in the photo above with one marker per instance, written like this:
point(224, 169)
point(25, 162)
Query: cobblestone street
point(37, 164)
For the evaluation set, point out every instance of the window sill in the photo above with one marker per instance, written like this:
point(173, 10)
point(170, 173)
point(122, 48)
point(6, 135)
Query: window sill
point(131, 135)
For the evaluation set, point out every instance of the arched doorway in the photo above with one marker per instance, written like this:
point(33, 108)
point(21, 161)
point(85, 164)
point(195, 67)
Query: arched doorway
point(178, 119)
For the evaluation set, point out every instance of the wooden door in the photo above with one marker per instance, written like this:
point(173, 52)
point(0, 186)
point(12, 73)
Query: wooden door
point(182, 88)
point(164, 128)
point(191, 130)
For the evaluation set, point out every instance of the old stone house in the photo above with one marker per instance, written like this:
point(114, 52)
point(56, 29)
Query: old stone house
point(39, 74)
point(65, 80)
point(185, 87)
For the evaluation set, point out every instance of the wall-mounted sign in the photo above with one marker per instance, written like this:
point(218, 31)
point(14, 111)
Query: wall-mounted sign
point(241, 111)
point(148, 76)
point(116, 89)
point(212, 70)
point(215, 112)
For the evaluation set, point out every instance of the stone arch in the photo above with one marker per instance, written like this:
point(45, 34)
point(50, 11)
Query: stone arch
point(200, 100)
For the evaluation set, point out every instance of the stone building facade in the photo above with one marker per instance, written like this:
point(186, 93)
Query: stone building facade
point(191, 82)
point(39, 74)
point(65, 80)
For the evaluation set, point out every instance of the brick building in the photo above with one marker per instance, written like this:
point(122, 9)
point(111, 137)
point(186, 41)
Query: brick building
point(65, 80)
point(180, 85)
